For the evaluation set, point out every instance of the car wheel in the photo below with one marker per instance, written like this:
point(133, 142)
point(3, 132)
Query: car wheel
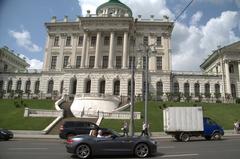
point(141, 150)
point(185, 137)
point(83, 151)
point(6, 138)
point(216, 136)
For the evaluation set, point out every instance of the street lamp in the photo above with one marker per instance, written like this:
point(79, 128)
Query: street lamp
point(148, 49)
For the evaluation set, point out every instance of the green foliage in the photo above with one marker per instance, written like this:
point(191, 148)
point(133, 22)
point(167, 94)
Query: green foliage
point(12, 118)
point(238, 100)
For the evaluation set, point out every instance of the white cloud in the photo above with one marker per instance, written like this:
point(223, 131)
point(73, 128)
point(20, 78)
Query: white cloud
point(34, 63)
point(196, 18)
point(192, 43)
point(23, 39)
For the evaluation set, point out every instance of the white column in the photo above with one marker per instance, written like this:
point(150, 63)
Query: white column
point(74, 50)
point(96, 64)
point(85, 37)
point(227, 77)
point(111, 51)
point(47, 56)
point(125, 52)
point(239, 71)
point(60, 57)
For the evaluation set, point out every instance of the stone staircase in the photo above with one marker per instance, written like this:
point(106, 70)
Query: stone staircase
point(68, 116)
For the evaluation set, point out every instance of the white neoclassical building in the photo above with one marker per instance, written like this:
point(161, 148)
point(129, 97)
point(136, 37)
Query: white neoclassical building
point(93, 55)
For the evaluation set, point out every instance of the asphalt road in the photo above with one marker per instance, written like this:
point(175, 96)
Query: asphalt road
point(229, 148)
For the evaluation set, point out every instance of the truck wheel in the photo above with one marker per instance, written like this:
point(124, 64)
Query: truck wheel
point(216, 136)
point(208, 137)
point(185, 137)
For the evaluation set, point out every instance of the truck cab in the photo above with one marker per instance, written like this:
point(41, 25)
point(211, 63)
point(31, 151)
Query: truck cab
point(211, 129)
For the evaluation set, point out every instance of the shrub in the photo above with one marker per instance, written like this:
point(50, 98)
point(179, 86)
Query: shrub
point(238, 100)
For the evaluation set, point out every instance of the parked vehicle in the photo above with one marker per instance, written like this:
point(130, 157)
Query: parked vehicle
point(111, 143)
point(72, 128)
point(185, 122)
point(5, 134)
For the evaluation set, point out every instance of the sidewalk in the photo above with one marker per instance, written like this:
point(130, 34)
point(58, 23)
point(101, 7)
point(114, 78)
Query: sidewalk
point(25, 134)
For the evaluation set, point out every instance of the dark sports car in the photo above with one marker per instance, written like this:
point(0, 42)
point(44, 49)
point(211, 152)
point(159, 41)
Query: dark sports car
point(111, 143)
point(5, 134)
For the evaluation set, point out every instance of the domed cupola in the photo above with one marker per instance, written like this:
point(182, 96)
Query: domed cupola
point(113, 8)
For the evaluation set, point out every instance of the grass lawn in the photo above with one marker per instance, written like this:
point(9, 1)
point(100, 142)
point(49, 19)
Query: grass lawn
point(224, 114)
point(11, 117)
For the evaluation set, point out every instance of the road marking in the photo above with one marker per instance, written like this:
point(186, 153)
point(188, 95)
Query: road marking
point(26, 148)
point(167, 147)
point(179, 155)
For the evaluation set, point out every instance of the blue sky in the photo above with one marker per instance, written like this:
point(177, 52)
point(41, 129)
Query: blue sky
point(22, 25)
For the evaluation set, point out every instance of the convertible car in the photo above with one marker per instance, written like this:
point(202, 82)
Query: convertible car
point(111, 143)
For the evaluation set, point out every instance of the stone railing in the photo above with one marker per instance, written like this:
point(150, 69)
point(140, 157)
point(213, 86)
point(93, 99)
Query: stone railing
point(98, 95)
point(42, 113)
point(109, 115)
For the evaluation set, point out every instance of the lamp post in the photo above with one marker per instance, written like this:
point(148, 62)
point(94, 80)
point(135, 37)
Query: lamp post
point(148, 49)
point(133, 81)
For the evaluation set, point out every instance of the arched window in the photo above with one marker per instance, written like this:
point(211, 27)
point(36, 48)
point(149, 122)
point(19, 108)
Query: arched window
point(207, 88)
point(1, 85)
point(197, 89)
point(102, 87)
point(175, 88)
point(73, 86)
point(61, 87)
point(159, 88)
point(116, 90)
point(186, 89)
point(9, 86)
point(19, 84)
point(50, 87)
point(27, 86)
point(37, 85)
point(233, 90)
point(88, 86)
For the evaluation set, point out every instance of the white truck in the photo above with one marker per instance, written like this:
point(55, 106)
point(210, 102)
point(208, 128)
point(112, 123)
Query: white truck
point(185, 122)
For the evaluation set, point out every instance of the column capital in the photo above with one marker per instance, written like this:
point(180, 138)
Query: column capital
point(63, 35)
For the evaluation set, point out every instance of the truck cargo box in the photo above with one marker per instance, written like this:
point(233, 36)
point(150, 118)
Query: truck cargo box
point(186, 119)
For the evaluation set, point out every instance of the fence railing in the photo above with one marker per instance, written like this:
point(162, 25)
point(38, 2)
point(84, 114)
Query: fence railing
point(108, 115)
point(42, 113)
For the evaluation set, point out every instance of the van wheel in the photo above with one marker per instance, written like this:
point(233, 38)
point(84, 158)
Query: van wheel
point(208, 137)
point(217, 136)
point(185, 137)
point(177, 137)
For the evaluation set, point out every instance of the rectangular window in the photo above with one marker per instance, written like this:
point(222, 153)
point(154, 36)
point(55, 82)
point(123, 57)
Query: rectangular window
point(144, 62)
point(159, 63)
point(5, 68)
point(231, 68)
point(1, 85)
point(80, 41)
point(78, 62)
point(106, 40)
point(68, 41)
point(145, 40)
point(65, 61)
point(93, 41)
point(53, 62)
point(91, 61)
point(159, 41)
point(56, 41)
point(105, 62)
point(131, 58)
point(119, 62)
point(119, 41)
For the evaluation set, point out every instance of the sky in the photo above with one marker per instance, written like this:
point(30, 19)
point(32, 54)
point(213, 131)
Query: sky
point(201, 28)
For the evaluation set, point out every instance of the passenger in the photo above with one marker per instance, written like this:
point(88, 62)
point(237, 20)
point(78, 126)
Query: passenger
point(100, 134)
point(93, 133)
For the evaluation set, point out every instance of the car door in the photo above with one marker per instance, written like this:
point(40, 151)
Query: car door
point(113, 146)
point(209, 127)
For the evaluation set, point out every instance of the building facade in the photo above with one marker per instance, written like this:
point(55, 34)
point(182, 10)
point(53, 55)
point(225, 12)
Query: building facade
point(93, 55)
